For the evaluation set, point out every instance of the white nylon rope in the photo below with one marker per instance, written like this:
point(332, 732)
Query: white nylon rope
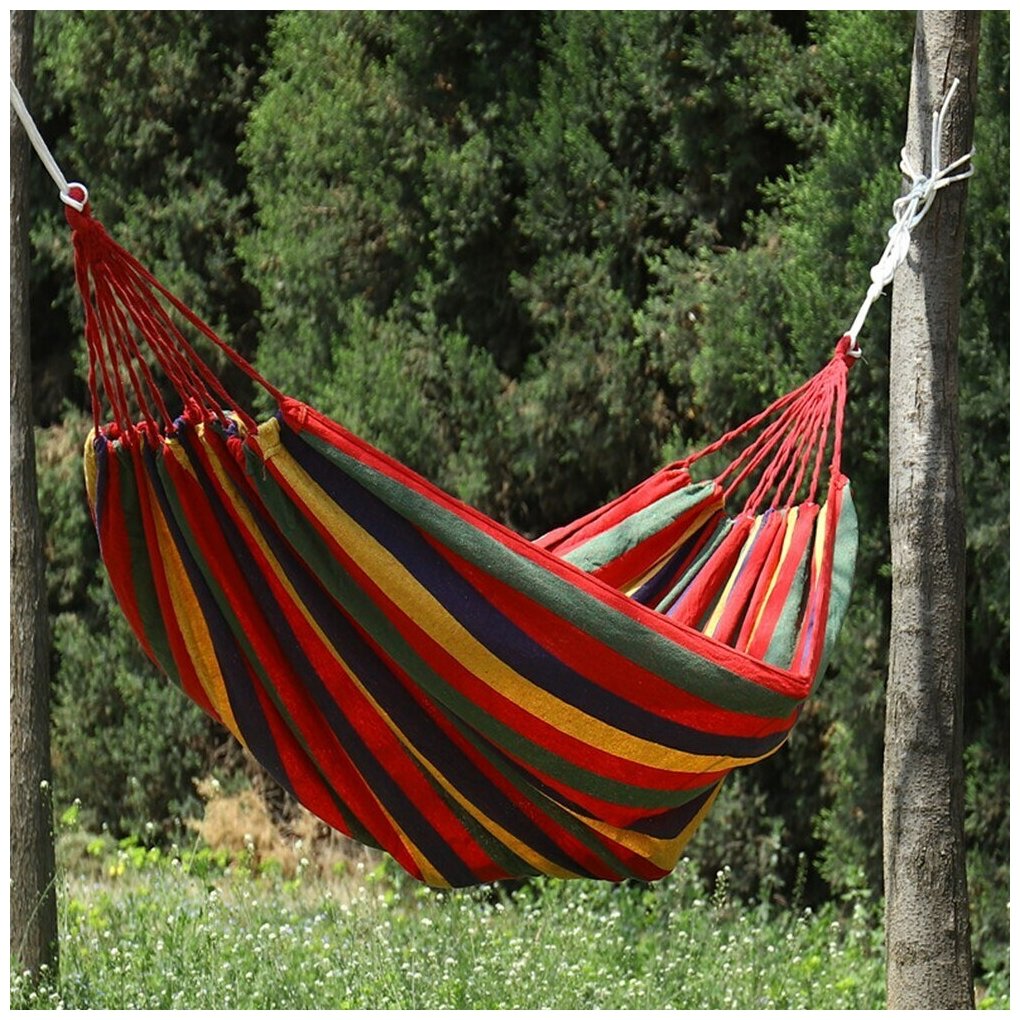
point(908, 211)
point(43, 152)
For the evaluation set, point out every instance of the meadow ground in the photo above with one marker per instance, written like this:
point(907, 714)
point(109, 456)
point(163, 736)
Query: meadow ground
point(201, 929)
point(248, 916)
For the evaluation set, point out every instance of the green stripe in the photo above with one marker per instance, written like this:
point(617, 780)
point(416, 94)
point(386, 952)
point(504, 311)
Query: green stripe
point(141, 558)
point(348, 593)
point(783, 643)
point(638, 527)
point(646, 648)
point(844, 560)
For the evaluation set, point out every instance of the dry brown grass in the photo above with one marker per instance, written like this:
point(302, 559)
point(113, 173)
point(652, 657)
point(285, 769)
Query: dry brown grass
point(243, 824)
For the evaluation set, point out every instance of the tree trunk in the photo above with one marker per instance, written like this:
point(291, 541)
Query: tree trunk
point(927, 921)
point(33, 895)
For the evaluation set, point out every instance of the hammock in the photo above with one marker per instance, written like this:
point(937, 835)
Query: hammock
point(425, 680)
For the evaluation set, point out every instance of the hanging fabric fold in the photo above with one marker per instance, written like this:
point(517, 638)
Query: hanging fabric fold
point(421, 677)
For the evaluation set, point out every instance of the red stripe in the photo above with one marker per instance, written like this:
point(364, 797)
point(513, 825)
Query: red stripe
point(698, 598)
point(620, 815)
point(300, 417)
point(751, 572)
point(821, 586)
point(570, 536)
point(383, 744)
point(112, 528)
point(302, 776)
point(780, 593)
point(766, 573)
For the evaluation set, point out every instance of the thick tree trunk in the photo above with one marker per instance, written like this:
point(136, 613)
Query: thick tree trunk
point(927, 922)
point(33, 896)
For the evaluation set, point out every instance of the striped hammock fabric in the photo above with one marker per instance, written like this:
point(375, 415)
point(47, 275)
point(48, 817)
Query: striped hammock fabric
point(425, 680)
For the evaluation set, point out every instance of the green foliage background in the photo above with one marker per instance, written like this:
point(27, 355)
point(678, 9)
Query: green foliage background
point(534, 255)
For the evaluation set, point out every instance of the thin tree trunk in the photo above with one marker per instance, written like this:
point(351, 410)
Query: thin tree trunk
point(33, 896)
point(927, 920)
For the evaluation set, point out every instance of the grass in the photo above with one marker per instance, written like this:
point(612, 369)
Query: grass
point(151, 929)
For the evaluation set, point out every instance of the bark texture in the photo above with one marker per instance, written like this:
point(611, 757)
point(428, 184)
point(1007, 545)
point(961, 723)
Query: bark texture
point(33, 896)
point(927, 921)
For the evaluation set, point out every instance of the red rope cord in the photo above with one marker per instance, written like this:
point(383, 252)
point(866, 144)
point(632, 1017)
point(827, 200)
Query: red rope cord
point(201, 326)
point(166, 356)
point(778, 459)
point(170, 349)
point(835, 466)
point(113, 378)
point(116, 328)
point(783, 464)
point(124, 301)
point(823, 439)
point(751, 460)
point(812, 436)
point(761, 449)
point(81, 277)
point(201, 380)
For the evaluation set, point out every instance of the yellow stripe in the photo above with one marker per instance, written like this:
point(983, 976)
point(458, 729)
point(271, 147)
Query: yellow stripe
point(820, 536)
point(535, 859)
point(91, 469)
point(720, 606)
point(791, 523)
point(190, 619)
point(418, 604)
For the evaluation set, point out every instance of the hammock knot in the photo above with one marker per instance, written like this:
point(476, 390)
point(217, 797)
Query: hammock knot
point(75, 196)
point(89, 236)
point(912, 207)
point(848, 349)
point(76, 204)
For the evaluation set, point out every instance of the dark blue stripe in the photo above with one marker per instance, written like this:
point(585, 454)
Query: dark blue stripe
point(101, 446)
point(671, 823)
point(491, 628)
point(230, 658)
point(405, 812)
point(656, 587)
